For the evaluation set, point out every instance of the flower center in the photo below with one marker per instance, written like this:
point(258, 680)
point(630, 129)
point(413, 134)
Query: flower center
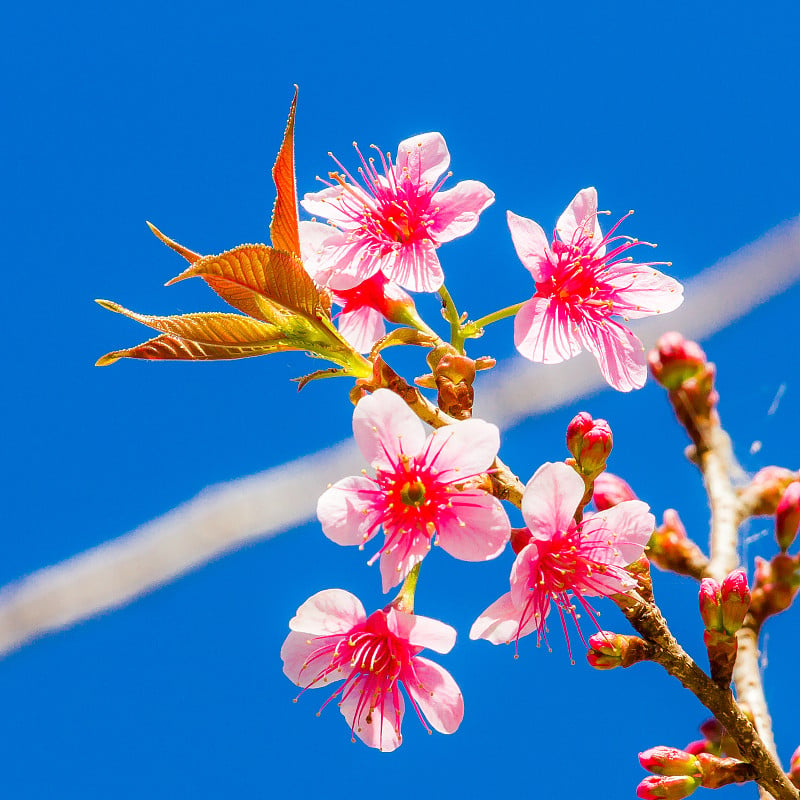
point(413, 494)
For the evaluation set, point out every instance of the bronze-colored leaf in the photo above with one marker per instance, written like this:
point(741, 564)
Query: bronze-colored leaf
point(333, 372)
point(260, 281)
point(189, 255)
point(202, 336)
point(284, 228)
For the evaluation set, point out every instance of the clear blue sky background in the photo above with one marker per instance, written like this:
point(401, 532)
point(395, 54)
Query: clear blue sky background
point(173, 112)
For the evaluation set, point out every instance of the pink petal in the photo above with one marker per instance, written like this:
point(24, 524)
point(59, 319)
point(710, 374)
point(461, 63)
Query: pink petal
point(421, 631)
point(619, 353)
point(416, 267)
point(543, 331)
point(437, 695)
point(350, 260)
point(327, 204)
point(551, 499)
point(347, 510)
point(499, 623)
point(628, 526)
point(641, 290)
point(300, 666)
point(397, 562)
point(525, 572)
point(423, 158)
point(327, 612)
point(385, 428)
point(459, 209)
point(474, 528)
point(362, 327)
point(530, 242)
point(580, 219)
point(378, 727)
point(462, 449)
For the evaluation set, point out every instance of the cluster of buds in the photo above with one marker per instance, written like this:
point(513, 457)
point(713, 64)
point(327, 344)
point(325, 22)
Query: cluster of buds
point(676, 773)
point(763, 494)
point(590, 442)
point(671, 549)
point(715, 741)
point(775, 585)
point(681, 367)
point(723, 608)
point(610, 650)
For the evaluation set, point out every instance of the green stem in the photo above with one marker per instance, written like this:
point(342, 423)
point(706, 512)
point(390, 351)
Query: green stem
point(472, 328)
point(405, 597)
point(452, 316)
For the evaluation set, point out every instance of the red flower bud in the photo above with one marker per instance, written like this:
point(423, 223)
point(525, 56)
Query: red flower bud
point(735, 595)
point(670, 761)
point(609, 491)
point(787, 516)
point(675, 360)
point(711, 604)
point(794, 768)
point(590, 443)
point(666, 787)
point(713, 730)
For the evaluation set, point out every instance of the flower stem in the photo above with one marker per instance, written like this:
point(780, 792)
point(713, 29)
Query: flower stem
point(473, 328)
point(405, 597)
point(450, 313)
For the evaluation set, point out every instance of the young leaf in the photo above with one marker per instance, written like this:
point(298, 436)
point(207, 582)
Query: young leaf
point(189, 255)
point(284, 228)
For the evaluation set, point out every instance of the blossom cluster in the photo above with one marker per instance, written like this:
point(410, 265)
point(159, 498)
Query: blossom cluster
point(380, 243)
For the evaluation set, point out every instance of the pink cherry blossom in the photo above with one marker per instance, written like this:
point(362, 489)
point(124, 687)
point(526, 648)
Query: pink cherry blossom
point(422, 487)
point(580, 285)
point(395, 222)
point(365, 306)
point(564, 561)
point(333, 639)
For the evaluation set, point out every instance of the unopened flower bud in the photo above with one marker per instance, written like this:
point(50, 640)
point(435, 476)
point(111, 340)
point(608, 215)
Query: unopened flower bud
point(671, 549)
point(697, 746)
point(713, 730)
point(711, 604)
point(609, 491)
point(590, 441)
point(609, 650)
point(762, 495)
point(735, 595)
point(675, 360)
point(794, 768)
point(787, 516)
point(670, 761)
point(666, 787)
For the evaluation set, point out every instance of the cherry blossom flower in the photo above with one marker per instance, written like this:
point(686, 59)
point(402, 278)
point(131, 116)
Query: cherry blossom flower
point(365, 306)
point(423, 486)
point(562, 560)
point(396, 220)
point(333, 639)
point(582, 280)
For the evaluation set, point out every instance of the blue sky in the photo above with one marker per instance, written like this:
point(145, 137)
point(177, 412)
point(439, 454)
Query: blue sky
point(173, 112)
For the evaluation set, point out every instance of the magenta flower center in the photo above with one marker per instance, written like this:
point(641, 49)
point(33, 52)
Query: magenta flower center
point(390, 210)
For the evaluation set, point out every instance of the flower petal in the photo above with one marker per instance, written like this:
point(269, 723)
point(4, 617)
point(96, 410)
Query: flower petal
point(362, 327)
point(437, 695)
point(474, 527)
point(347, 510)
point(396, 562)
point(458, 209)
point(386, 428)
point(551, 499)
point(379, 726)
point(416, 267)
point(640, 290)
point(349, 261)
point(499, 624)
point(302, 668)
point(328, 612)
point(329, 204)
point(579, 220)
point(422, 159)
point(421, 631)
point(627, 526)
point(619, 353)
point(543, 331)
point(530, 242)
point(463, 449)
